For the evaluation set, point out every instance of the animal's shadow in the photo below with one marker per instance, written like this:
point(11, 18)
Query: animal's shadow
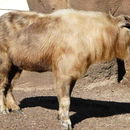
point(83, 108)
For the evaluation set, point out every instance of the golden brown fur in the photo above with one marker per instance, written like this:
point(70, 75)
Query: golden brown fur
point(66, 42)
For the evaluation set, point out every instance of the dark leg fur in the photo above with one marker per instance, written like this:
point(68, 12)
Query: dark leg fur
point(13, 74)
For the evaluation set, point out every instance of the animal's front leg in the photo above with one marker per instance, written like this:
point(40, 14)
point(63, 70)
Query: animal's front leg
point(63, 94)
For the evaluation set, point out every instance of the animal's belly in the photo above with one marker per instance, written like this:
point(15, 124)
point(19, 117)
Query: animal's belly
point(35, 67)
point(32, 64)
point(31, 59)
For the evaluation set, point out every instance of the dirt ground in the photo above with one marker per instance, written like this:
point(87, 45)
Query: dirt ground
point(93, 107)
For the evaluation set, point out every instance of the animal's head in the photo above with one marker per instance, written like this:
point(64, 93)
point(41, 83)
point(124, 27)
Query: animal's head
point(123, 22)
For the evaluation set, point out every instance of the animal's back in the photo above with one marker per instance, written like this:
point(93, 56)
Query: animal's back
point(14, 22)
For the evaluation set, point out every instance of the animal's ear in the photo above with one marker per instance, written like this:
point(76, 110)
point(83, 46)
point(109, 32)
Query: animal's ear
point(123, 21)
point(113, 11)
point(110, 13)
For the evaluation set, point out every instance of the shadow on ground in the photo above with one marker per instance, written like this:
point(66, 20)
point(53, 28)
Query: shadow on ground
point(83, 108)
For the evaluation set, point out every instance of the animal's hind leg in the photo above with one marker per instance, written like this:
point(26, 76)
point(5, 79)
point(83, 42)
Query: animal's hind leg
point(3, 83)
point(13, 75)
point(4, 69)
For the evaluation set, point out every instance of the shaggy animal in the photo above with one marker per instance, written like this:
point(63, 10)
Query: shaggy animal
point(65, 42)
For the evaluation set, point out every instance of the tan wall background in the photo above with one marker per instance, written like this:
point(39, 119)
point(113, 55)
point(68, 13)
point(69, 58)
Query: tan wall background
point(47, 6)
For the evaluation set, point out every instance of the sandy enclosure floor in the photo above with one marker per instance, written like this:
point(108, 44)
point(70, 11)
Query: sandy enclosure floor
point(97, 108)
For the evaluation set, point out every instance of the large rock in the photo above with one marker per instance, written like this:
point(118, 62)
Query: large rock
point(100, 72)
point(47, 6)
point(115, 6)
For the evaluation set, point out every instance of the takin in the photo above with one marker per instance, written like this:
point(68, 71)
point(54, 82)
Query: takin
point(65, 42)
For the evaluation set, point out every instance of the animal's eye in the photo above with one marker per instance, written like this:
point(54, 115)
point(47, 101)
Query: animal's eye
point(126, 25)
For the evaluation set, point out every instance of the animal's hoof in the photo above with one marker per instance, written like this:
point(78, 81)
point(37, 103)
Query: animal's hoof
point(67, 125)
point(18, 111)
point(124, 81)
point(5, 111)
point(68, 128)
point(58, 117)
